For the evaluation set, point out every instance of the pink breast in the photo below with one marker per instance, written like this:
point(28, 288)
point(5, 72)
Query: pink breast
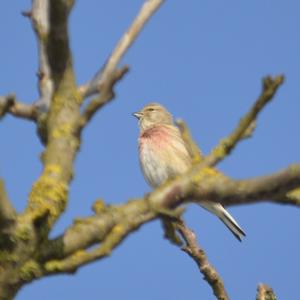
point(152, 146)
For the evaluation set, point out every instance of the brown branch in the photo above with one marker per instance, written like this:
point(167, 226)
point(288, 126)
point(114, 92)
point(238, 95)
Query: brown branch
point(95, 85)
point(105, 79)
point(110, 226)
point(10, 105)
point(271, 188)
point(80, 258)
point(206, 186)
point(193, 249)
point(193, 148)
point(49, 194)
point(92, 230)
point(40, 17)
point(264, 292)
point(246, 125)
point(105, 96)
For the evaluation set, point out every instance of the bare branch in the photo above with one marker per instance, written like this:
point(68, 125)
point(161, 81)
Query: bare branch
point(81, 258)
point(271, 188)
point(264, 292)
point(49, 194)
point(193, 249)
point(105, 96)
point(10, 105)
point(121, 224)
point(105, 79)
point(95, 85)
point(41, 24)
point(193, 148)
point(49, 22)
point(246, 124)
point(92, 230)
point(208, 184)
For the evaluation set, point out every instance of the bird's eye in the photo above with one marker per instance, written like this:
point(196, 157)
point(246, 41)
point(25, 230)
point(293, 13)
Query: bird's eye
point(150, 109)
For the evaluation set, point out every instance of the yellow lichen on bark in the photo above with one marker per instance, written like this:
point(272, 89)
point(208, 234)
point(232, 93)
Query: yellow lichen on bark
point(31, 269)
point(294, 195)
point(48, 194)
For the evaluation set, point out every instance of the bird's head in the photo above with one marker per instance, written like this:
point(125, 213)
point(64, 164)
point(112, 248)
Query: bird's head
point(153, 114)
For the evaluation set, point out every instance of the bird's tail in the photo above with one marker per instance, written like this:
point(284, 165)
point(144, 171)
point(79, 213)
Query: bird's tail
point(218, 210)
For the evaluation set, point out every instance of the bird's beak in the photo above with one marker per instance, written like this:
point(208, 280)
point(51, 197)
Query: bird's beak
point(138, 115)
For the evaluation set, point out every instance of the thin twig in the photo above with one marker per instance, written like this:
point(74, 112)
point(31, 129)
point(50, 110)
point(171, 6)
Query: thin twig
point(94, 229)
point(193, 249)
point(105, 96)
point(10, 105)
point(82, 257)
point(95, 85)
point(193, 148)
point(105, 79)
point(264, 292)
point(246, 124)
point(40, 21)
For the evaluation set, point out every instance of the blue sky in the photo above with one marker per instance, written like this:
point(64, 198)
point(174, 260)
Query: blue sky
point(204, 61)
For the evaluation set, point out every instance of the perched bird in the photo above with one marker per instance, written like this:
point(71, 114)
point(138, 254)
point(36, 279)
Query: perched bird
point(163, 154)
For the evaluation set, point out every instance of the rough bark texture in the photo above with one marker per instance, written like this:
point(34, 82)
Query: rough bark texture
point(26, 252)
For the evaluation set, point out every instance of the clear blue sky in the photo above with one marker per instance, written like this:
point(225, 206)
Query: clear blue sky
point(204, 61)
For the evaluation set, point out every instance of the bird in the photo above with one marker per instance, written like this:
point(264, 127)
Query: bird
point(163, 154)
